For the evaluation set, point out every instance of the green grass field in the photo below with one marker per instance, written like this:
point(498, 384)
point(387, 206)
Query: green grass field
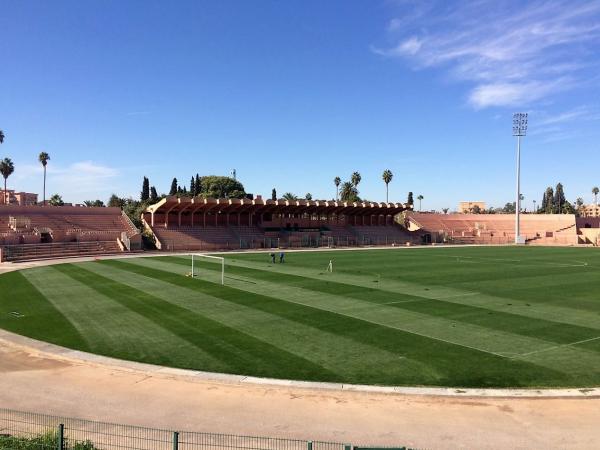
point(461, 317)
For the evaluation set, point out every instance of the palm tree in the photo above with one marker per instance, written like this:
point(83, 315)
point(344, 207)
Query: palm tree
point(348, 192)
point(6, 169)
point(387, 178)
point(445, 210)
point(289, 196)
point(337, 181)
point(420, 197)
point(44, 158)
point(355, 179)
point(595, 191)
point(1, 137)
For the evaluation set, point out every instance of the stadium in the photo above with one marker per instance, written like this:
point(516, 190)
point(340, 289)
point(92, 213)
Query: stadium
point(215, 316)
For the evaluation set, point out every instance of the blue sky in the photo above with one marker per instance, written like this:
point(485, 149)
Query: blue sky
point(294, 93)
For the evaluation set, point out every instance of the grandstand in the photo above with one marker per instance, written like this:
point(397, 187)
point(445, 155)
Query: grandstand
point(546, 229)
point(180, 223)
point(36, 232)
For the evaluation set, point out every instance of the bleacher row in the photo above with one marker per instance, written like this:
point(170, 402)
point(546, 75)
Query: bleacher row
point(551, 229)
point(174, 238)
point(34, 232)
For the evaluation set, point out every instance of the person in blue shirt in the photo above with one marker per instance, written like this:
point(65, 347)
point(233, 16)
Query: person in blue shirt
point(281, 258)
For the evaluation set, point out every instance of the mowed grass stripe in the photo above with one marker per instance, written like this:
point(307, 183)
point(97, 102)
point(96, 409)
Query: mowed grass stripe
point(466, 335)
point(475, 367)
point(25, 310)
point(541, 329)
point(350, 359)
point(244, 354)
point(499, 343)
point(526, 308)
point(109, 327)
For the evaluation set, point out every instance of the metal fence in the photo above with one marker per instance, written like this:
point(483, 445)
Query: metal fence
point(31, 431)
point(304, 242)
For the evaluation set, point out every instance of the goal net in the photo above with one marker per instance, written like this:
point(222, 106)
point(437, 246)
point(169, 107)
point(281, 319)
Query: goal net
point(208, 267)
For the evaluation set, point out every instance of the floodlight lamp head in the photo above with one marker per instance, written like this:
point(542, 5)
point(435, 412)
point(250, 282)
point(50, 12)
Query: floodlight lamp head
point(519, 124)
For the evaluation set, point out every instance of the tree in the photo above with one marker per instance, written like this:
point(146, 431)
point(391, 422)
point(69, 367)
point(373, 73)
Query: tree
point(56, 200)
point(476, 209)
point(145, 194)
point(595, 191)
point(274, 194)
point(221, 187)
point(387, 178)
point(193, 187)
point(289, 196)
point(308, 196)
point(337, 181)
point(116, 201)
point(410, 199)
point(1, 137)
point(44, 158)
point(6, 169)
point(509, 208)
point(548, 205)
point(445, 210)
point(173, 190)
point(559, 199)
point(567, 208)
point(348, 192)
point(93, 203)
point(355, 179)
point(420, 198)
point(197, 185)
point(153, 194)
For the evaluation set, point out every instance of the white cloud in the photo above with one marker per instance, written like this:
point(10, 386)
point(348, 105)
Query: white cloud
point(508, 94)
point(76, 182)
point(410, 46)
point(514, 53)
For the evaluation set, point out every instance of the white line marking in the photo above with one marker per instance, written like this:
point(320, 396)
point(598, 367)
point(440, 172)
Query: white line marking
point(557, 346)
point(403, 301)
point(457, 295)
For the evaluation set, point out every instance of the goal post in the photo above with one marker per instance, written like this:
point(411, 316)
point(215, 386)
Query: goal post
point(197, 257)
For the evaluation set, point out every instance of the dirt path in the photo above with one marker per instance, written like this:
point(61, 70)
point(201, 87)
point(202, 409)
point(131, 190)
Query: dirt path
point(34, 381)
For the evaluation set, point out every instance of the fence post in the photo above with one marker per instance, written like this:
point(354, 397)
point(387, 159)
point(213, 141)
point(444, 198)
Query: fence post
point(61, 436)
point(309, 445)
point(175, 440)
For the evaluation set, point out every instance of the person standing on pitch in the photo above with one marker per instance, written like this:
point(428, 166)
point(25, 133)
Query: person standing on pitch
point(281, 258)
point(273, 257)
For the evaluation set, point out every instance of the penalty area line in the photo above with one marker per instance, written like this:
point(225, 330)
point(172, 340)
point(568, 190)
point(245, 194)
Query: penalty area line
point(554, 347)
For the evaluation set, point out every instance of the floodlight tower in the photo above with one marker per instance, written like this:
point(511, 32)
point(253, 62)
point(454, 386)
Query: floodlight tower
point(519, 130)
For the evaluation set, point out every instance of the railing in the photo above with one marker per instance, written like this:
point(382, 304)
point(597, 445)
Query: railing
point(287, 242)
point(125, 240)
point(134, 230)
point(25, 430)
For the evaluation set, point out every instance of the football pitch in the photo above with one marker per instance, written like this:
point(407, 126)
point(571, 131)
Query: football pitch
point(458, 317)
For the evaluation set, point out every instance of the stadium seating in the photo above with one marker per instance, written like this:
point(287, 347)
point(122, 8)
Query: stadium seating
point(30, 232)
point(384, 235)
point(547, 229)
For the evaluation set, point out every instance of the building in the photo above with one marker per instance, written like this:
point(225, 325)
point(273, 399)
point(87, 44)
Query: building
point(590, 210)
point(470, 207)
point(18, 198)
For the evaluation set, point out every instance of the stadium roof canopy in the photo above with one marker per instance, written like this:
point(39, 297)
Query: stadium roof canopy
point(186, 205)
